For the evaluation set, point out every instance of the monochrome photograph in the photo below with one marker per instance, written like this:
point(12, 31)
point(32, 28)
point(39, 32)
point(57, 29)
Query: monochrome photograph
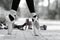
point(29, 19)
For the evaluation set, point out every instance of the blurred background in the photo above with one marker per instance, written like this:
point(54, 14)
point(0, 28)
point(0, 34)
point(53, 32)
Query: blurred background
point(45, 9)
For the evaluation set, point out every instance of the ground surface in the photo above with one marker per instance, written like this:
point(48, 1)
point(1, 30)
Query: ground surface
point(28, 35)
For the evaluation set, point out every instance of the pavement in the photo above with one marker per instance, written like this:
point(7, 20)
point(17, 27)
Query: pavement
point(28, 35)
